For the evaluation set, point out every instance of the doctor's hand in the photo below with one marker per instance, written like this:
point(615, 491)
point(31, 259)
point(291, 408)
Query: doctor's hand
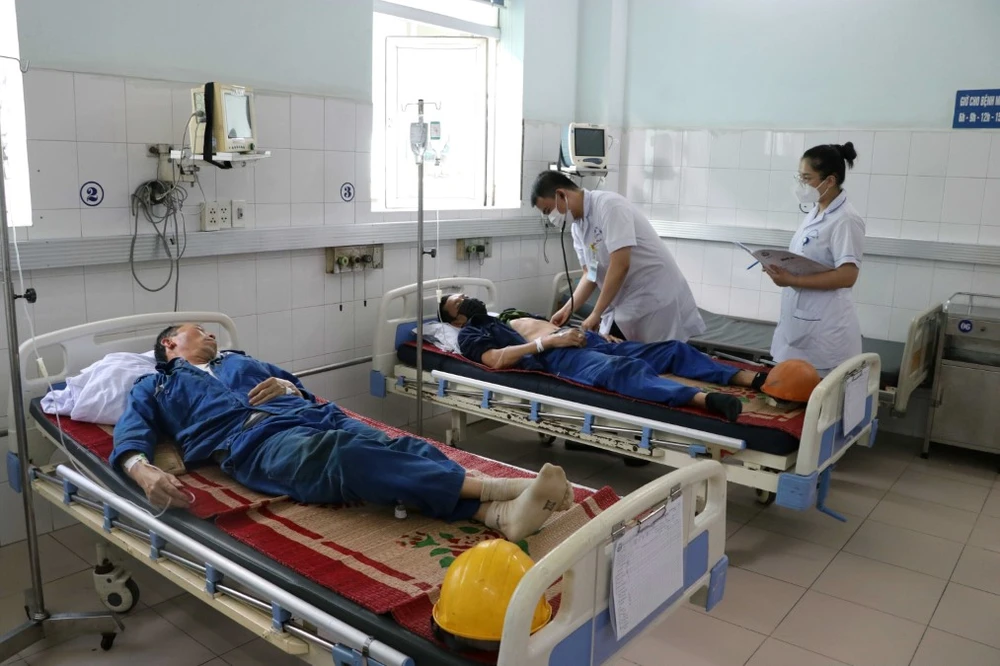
point(271, 388)
point(561, 316)
point(591, 323)
point(780, 276)
point(162, 489)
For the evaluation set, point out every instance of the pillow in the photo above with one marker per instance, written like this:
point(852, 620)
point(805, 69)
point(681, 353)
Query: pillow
point(100, 392)
point(441, 335)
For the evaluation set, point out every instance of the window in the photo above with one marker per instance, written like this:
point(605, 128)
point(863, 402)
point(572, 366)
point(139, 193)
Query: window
point(13, 137)
point(444, 52)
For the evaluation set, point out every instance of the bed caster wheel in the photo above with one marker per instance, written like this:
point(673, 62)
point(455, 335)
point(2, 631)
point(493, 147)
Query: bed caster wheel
point(107, 641)
point(118, 592)
point(122, 600)
point(546, 440)
point(765, 497)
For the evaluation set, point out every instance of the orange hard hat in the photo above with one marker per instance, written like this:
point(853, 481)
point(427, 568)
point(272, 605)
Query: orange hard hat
point(792, 381)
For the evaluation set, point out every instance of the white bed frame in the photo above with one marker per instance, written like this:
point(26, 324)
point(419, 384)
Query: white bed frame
point(799, 480)
point(583, 561)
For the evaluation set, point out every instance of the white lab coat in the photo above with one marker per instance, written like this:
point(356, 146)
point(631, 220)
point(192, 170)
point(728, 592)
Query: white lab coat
point(655, 302)
point(822, 326)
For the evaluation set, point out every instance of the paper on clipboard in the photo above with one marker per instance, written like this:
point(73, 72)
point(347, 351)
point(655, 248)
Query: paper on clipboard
point(647, 568)
point(796, 264)
point(855, 400)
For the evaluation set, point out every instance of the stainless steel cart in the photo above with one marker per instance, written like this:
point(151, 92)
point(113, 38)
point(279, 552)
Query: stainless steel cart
point(965, 409)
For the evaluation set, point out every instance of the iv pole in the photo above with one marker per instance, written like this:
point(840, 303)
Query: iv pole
point(40, 622)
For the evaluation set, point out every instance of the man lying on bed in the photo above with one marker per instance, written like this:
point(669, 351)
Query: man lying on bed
point(267, 432)
point(631, 369)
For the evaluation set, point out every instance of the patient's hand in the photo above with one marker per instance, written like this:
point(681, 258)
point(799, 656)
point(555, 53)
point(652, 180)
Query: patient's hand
point(570, 338)
point(611, 338)
point(271, 388)
point(161, 489)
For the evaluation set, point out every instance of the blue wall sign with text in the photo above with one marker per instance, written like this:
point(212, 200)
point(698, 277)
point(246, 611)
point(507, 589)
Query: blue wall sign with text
point(977, 109)
point(91, 193)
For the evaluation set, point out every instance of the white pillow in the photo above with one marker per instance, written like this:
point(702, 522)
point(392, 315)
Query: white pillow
point(100, 392)
point(441, 335)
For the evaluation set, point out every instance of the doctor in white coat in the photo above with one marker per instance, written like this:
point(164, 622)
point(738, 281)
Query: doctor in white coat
point(818, 322)
point(622, 255)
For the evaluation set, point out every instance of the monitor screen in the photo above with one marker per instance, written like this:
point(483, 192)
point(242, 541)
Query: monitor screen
point(237, 115)
point(588, 142)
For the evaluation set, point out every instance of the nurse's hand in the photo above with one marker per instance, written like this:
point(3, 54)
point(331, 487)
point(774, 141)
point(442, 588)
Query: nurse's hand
point(561, 316)
point(591, 323)
point(780, 276)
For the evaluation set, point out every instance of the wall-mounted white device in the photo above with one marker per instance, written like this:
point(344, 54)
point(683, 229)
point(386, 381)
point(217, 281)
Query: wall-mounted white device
point(584, 147)
point(224, 120)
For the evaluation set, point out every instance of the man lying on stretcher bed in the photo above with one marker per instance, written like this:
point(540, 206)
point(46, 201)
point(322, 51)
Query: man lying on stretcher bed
point(270, 434)
point(631, 369)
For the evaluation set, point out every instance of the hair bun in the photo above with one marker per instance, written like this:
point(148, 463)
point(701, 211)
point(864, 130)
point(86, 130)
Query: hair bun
point(848, 153)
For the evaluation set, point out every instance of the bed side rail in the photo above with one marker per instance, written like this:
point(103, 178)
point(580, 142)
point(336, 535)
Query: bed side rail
point(918, 356)
point(584, 561)
point(399, 306)
point(560, 286)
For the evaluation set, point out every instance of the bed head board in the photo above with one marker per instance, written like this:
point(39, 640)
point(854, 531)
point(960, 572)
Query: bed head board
point(561, 287)
point(67, 351)
point(399, 306)
point(919, 355)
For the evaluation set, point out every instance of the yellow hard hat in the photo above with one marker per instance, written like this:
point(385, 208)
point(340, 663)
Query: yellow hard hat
point(477, 589)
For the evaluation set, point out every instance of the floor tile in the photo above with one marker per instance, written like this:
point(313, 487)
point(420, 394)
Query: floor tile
point(850, 633)
point(976, 467)
point(260, 652)
point(694, 639)
point(81, 540)
point(905, 548)
point(148, 639)
point(871, 471)
point(853, 498)
point(207, 626)
point(741, 513)
point(777, 653)
point(940, 648)
point(881, 586)
point(979, 568)
point(969, 613)
point(56, 560)
point(791, 560)
point(755, 602)
point(927, 517)
point(941, 490)
point(986, 533)
point(813, 526)
point(992, 506)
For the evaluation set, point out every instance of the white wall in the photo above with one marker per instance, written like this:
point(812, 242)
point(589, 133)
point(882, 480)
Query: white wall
point(313, 46)
point(789, 63)
point(550, 54)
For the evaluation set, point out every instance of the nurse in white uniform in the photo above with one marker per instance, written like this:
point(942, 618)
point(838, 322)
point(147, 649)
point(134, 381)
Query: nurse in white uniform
point(818, 322)
point(639, 280)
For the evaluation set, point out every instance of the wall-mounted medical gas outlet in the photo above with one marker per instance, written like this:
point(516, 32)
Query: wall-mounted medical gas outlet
point(474, 248)
point(210, 217)
point(353, 258)
point(239, 213)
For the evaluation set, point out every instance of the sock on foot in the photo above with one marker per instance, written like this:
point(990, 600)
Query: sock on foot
point(502, 490)
point(725, 405)
point(523, 516)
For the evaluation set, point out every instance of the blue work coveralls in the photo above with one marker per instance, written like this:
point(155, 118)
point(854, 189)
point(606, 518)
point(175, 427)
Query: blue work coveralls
point(311, 452)
point(631, 369)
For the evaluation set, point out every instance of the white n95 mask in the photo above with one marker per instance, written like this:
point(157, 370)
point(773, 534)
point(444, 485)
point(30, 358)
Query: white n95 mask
point(555, 217)
point(806, 194)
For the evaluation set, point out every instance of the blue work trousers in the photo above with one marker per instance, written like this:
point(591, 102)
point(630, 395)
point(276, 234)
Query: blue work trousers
point(633, 369)
point(319, 455)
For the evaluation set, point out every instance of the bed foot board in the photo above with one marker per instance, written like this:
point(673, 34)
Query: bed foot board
point(802, 492)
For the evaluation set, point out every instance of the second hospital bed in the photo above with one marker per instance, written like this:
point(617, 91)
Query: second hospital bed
point(785, 457)
point(299, 577)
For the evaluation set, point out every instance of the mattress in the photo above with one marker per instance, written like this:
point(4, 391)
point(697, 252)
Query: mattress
point(383, 627)
point(759, 438)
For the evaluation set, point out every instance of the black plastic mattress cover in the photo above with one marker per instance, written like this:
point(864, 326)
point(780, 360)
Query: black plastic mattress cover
point(382, 627)
point(765, 440)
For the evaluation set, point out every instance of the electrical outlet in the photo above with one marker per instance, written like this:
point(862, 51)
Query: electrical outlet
point(225, 214)
point(353, 258)
point(238, 208)
point(210, 216)
point(474, 248)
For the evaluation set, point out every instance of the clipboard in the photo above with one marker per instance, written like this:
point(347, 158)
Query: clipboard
point(647, 565)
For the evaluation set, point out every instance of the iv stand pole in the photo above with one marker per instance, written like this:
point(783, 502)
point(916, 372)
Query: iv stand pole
point(420, 271)
point(39, 623)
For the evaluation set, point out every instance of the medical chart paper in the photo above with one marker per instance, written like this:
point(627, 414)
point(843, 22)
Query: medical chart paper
point(855, 400)
point(647, 568)
point(795, 264)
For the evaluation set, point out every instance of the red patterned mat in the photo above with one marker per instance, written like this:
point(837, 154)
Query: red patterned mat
point(756, 411)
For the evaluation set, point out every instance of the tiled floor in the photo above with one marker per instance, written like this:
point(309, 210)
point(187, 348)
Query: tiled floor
point(911, 579)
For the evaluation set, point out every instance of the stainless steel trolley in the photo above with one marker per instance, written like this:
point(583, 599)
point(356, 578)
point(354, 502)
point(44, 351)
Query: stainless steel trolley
point(965, 410)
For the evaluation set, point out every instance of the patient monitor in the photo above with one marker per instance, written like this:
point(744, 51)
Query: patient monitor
point(584, 147)
point(225, 115)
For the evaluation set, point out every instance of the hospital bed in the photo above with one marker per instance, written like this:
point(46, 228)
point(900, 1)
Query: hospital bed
point(788, 463)
point(295, 613)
